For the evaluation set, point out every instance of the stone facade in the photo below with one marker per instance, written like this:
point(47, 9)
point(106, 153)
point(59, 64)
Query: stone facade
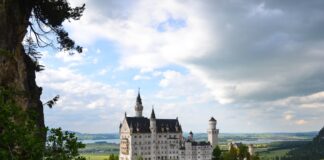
point(161, 139)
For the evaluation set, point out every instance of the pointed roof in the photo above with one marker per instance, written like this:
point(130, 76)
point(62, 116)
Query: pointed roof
point(153, 114)
point(143, 125)
point(139, 105)
point(139, 99)
point(212, 119)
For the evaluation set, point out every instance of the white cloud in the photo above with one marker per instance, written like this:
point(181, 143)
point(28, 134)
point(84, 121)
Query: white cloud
point(169, 77)
point(141, 77)
point(66, 56)
point(81, 95)
point(143, 45)
point(288, 116)
point(301, 122)
point(251, 57)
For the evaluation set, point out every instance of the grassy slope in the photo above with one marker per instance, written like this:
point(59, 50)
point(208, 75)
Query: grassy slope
point(96, 156)
point(275, 153)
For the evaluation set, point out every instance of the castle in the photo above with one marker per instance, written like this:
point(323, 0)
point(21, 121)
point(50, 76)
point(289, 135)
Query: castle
point(161, 139)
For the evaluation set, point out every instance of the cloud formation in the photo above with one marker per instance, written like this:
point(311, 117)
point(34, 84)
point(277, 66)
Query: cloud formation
point(243, 51)
point(261, 59)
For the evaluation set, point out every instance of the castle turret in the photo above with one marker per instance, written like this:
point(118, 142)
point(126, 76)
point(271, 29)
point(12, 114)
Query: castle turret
point(153, 122)
point(213, 132)
point(139, 106)
point(153, 130)
point(251, 149)
point(190, 136)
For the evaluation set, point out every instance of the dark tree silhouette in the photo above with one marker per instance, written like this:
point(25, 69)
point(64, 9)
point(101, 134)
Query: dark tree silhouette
point(17, 68)
point(216, 153)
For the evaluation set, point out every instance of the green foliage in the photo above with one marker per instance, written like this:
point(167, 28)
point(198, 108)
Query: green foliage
point(52, 102)
point(113, 157)
point(48, 16)
point(21, 138)
point(19, 135)
point(30, 49)
point(313, 150)
point(243, 152)
point(62, 146)
point(139, 158)
point(239, 153)
point(4, 52)
point(216, 153)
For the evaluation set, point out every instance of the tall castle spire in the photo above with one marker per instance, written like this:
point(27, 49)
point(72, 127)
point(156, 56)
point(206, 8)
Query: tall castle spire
point(152, 114)
point(153, 121)
point(139, 105)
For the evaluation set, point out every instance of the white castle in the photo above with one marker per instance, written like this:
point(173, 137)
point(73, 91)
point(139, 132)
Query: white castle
point(161, 139)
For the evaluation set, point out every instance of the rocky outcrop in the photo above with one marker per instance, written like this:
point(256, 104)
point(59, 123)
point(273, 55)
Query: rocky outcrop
point(17, 71)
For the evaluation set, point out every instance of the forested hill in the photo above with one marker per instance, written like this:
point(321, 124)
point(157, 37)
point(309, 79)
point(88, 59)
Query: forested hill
point(320, 137)
point(311, 151)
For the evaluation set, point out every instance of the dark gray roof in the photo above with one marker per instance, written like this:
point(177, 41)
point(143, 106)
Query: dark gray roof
point(212, 119)
point(142, 125)
point(139, 124)
point(139, 99)
point(167, 125)
point(202, 143)
point(153, 114)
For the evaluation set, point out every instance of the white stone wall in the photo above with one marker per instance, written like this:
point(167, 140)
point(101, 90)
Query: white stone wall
point(162, 146)
point(152, 147)
point(124, 133)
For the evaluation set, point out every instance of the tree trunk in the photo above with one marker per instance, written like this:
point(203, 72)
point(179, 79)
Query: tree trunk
point(16, 68)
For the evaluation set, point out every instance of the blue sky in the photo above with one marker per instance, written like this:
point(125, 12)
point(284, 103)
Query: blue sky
point(256, 66)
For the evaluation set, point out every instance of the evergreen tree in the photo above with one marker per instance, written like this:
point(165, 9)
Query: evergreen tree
point(19, 135)
point(216, 153)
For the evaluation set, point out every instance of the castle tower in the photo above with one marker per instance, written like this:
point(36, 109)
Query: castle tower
point(153, 129)
point(251, 149)
point(139, 106)
point(153, 122)
point(190, 136)
point(212, 132)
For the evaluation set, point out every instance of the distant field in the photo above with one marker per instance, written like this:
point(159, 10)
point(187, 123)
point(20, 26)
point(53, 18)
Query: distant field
point(101, 148)
point(96, 156)
point(269, 155)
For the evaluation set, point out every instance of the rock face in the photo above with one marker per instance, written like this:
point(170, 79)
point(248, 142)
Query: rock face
point(16, 68)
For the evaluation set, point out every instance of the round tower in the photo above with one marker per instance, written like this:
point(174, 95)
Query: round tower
point(139, 106)
point(251, 149)
point(212, 132)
